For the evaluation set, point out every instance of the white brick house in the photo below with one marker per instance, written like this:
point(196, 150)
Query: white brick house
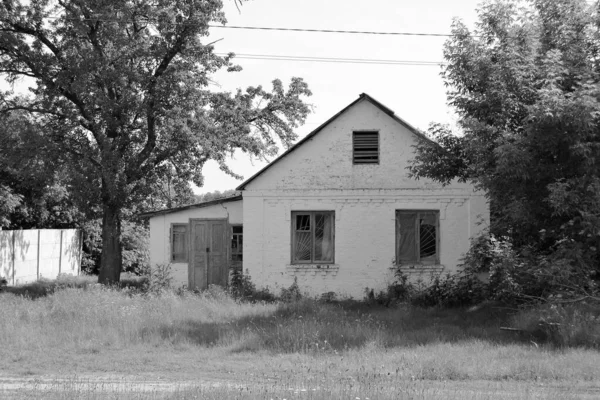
point(337, 212)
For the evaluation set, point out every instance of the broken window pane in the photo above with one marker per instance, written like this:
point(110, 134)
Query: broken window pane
point(303, 246)
point(427, 236)
point(303, 222)
point(313, 237)
point(323, 237)
point(417, 237)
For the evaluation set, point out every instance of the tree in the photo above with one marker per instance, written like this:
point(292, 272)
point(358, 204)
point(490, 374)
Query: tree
point(526, 87)
point(208, 196)
point(122, 88)
point(34, 187)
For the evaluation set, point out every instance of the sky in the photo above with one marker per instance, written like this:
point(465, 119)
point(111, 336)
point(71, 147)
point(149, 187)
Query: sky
point(415, 93)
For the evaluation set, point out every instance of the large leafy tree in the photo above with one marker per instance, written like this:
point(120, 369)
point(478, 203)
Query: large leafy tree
point(123, 87)
point(34, 184)
point(526, 87)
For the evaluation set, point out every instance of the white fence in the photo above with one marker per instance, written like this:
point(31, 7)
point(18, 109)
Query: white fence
point(28, 255)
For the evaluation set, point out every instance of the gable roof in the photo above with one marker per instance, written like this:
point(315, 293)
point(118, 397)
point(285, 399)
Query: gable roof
point(189, 207)
point(361, 97)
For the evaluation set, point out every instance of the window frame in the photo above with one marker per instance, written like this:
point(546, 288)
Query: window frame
point(312, 214)
point(240, 249)
point(354, 133)
point(186, 240)
point(418, 260)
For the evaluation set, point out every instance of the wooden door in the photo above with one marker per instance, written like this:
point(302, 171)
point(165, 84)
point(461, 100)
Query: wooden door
point(209, 264)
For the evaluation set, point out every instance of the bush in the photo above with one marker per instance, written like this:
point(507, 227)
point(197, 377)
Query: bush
point(242, 288)
point(240, 285)
point(459, 290)
point(291, 294)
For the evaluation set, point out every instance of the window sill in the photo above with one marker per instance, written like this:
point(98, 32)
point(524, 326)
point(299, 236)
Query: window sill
point(312, 269)
point(419, 268)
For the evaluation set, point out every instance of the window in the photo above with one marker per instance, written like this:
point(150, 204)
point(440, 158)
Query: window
point(179, 242)
point(237, 245)
point(365, 147)
point(417, 237)
point(312, 236)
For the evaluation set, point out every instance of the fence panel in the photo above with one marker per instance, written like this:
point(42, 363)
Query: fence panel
point(28, 255)
point(71, 252)
point(6, 256)
point(26, 261)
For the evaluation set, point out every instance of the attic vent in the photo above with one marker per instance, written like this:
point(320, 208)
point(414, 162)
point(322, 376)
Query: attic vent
point(365, 147)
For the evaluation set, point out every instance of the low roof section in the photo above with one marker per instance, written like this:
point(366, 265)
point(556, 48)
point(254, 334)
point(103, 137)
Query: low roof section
point(203, 204)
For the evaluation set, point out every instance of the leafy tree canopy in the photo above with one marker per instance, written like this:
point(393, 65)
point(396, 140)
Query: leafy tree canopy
point(526, 87)
point(122, 88)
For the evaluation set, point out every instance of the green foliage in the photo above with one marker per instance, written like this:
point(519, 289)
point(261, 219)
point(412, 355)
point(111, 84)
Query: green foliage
point(240, 285)
point(9, 201)
point(459, 290)
point(526, 275)
point(291, 294)
point(525, 84)
point(34, 186)
point(215, 195)
point(121, 91)
point(242, 288)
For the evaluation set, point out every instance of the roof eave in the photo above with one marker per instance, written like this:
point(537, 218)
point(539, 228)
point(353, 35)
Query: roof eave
point(151, 214)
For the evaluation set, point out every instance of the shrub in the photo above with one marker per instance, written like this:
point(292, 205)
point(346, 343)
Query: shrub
point(458, 290)
point(242, 288)
point(529, 275)
point(291, 294)
point(240, 285)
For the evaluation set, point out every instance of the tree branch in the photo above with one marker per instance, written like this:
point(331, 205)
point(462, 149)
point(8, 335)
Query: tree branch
point(150, 116)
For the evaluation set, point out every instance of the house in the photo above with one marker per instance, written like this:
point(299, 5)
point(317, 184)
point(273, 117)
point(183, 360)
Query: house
point(337, 212)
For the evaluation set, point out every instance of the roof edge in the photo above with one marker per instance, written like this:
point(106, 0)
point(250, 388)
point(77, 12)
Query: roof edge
point(151, 214)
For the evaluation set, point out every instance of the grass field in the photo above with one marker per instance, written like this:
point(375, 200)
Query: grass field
point(92, 342)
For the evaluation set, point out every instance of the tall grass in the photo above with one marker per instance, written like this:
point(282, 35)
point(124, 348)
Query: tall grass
point(99, 330)
point(96, 316)
point(111, 318)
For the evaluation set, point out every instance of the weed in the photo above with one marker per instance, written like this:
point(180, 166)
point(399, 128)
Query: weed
point(292, 293)
point(158, 279)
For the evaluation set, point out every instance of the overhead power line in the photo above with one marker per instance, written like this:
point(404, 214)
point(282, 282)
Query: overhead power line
point(262, 28)
point(274, 57)
point(265, 28)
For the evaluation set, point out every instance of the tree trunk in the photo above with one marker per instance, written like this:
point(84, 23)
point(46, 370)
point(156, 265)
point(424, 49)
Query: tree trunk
point(111, 261)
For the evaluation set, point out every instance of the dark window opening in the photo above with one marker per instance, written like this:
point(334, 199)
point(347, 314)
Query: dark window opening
point(179, 243)
point(312, 237)
point(417, 237)
point(237, 244)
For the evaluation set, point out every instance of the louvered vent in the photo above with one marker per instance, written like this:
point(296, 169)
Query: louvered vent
point(365, 147)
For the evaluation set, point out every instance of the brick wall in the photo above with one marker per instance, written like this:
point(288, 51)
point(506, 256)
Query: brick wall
point(364, 240)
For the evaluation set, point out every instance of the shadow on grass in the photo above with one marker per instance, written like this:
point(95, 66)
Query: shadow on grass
point(45, 287)
point(310, 326)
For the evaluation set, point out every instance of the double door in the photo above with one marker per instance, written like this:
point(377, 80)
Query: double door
point(209, 264)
